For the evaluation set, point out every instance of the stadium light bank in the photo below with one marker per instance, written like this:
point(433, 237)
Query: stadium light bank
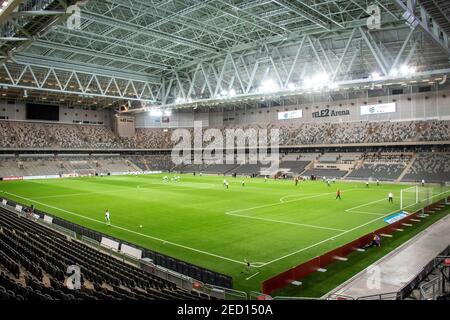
point(319, 83)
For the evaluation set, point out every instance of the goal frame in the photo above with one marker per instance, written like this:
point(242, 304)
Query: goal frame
point(416, 197)
point(85, 172)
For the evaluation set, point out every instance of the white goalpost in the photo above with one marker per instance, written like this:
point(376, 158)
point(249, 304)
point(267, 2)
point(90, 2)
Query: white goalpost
point(447, 187)
point(409, 197)
point(418, 195)
point(84, 172)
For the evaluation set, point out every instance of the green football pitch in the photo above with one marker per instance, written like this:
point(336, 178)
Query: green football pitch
point(273, 224)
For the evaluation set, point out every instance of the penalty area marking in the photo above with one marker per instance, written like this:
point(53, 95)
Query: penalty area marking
point(248, 278)
point(128, 230)
point(208, 253)
point(366, 212)
point(314, 195)
point(256, 264)
point(340, 234)
point(284, 202)
point(352, 210)
point(234, 212)
point(284, 222)
point(183, 246)
point(300, 195)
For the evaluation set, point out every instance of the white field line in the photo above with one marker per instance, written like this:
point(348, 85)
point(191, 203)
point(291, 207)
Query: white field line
point(178, 184)
point(315, 195)
point(366, 204)
point(300, 195)
point(284, 202)
point(82, 194)
point(252, 276)
point(340, 234)
point(284, 222)
point(88, 193)
point(212, 254)
point(151, 237)
point(352, 210)
point(368, 213)
point(128, 230)
point(325, 240)
point(139, 187)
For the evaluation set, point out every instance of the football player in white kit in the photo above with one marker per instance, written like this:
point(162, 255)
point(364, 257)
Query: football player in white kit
point(107, 218)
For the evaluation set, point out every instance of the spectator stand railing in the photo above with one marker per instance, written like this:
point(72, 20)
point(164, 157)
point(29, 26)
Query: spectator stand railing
point(431, 289)
point(321, 262)
point(440, 284)
point(92, 239)
point(415, 282)
point(224, 293)
point(255, 295)
point(382, 296)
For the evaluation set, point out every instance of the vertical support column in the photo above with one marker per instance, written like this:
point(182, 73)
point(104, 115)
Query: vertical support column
point(417, 194)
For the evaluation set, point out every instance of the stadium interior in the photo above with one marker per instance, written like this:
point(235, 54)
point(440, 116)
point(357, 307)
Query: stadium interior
point(97, 98)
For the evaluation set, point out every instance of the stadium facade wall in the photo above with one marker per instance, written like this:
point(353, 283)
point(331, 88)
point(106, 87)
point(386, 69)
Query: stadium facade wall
point(414, 106)
point(17, 112)
point(303, 270)
point(198, 273)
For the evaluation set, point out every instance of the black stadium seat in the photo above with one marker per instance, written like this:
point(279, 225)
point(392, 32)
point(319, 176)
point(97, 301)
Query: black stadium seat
point(39, 250)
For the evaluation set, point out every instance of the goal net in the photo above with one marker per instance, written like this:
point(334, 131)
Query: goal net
point(84, 172)
point(409, 197)
point(417, 196)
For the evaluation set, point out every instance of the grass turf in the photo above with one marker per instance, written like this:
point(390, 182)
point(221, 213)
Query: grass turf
point(319, 284)
point(274, 224)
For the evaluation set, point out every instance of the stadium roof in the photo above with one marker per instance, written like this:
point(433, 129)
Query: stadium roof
point(167, 52)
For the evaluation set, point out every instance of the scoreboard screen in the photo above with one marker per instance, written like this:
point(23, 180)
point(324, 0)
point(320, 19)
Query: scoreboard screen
point(42, 112)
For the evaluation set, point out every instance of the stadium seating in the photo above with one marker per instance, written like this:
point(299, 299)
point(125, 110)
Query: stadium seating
point(387, 172)
point(34, 260)
point(219, 168)
point(97, 137)
point(380, 166)
point(153, 138)
point(309, 156)
point(431, 167)
point(329, 157)
point(327, 173)
point(434, 131)
point(247, 169)
point(77, 136)
point(290, 156)
point(392, 131)
point(294, 166)
point(203, 150)
point(45, 165)
point(190, 168)
point(350, 157)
